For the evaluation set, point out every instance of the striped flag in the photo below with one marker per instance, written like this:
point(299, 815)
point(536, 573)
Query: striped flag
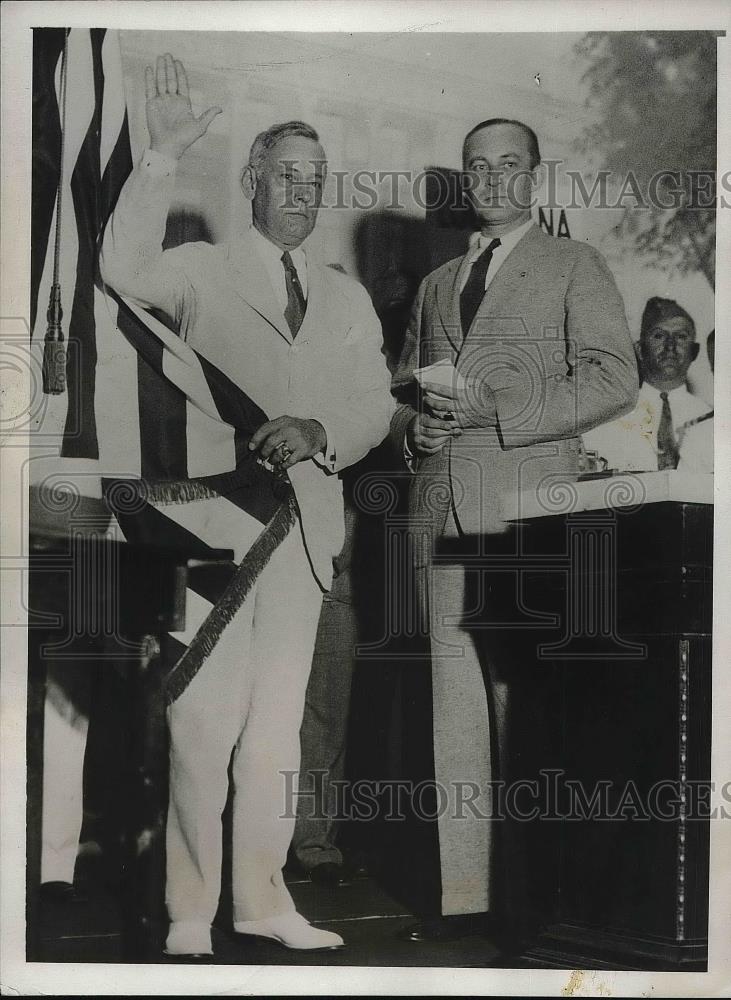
point(144, 418)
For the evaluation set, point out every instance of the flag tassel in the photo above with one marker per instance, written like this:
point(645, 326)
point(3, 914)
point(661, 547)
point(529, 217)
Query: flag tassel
point(54, 352)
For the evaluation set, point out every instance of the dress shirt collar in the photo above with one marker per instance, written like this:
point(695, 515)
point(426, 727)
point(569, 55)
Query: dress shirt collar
point(479, 242)
point(271, 257)
point(650, 393)
point(685, 406)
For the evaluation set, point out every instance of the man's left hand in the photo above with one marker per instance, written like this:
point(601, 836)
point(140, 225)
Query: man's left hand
point(288, 440)
point(450, 403)
point(442, 404)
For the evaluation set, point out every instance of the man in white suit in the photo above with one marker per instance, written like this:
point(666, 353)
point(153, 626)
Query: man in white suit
point(308, 337)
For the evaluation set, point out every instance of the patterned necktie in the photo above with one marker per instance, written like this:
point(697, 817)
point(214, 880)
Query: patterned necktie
point(666, 444)
point(296, 305)
point(474, 289)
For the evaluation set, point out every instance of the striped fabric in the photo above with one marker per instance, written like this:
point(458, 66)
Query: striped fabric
point(144, 419)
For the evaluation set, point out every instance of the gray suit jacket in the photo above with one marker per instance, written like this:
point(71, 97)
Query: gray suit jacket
point(549, 349)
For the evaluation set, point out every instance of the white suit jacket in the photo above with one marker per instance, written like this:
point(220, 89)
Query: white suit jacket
point(224, 306)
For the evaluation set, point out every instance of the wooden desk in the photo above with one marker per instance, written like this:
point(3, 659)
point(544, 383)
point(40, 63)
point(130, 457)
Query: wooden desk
point(612, 606)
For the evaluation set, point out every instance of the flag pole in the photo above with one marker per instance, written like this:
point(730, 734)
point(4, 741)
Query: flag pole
point(54, 354)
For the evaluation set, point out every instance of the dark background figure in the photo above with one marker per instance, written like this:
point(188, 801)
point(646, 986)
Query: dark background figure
point(343, 738)
point(650, 437)
point(324, 731)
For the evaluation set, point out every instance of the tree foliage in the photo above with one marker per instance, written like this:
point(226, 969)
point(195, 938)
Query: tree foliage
point(654, 95)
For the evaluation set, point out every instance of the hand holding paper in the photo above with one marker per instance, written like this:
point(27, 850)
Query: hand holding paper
point(451, 397)
point(428, 433)
point(440, 384)
point(441, 376)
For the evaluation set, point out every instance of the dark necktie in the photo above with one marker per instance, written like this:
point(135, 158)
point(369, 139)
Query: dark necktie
point(474, 289)
point(667, 446)
point(296, 305)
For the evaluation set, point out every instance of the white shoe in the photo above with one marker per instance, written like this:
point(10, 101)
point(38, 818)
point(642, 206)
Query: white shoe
point(189, 937)
point(291, 930)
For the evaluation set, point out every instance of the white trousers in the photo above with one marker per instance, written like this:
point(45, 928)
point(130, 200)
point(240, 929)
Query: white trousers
point(247, 699)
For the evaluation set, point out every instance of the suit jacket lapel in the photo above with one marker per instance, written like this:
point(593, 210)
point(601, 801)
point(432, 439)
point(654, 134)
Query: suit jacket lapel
point(313, 322)
point(516, 267)
point(252, 283)
point(447, 296)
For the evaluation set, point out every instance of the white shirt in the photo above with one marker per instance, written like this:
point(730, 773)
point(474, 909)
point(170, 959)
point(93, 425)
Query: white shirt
point(629, 443)
point(271, 258)
point(696, 449)
point(479, 242)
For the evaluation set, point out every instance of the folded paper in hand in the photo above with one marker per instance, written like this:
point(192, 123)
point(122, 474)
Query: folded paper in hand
point(440, 373)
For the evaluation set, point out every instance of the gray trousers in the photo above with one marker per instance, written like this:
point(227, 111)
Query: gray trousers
point(482, 859)
point(323, 734)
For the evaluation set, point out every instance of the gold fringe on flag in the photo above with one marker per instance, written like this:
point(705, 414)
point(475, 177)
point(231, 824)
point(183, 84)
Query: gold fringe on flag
point(231, 600)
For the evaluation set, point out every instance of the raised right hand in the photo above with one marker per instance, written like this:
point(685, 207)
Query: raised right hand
point(426, 435)
point(170, 119)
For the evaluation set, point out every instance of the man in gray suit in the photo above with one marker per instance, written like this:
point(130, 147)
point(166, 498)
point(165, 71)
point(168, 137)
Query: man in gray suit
point(536, 331)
